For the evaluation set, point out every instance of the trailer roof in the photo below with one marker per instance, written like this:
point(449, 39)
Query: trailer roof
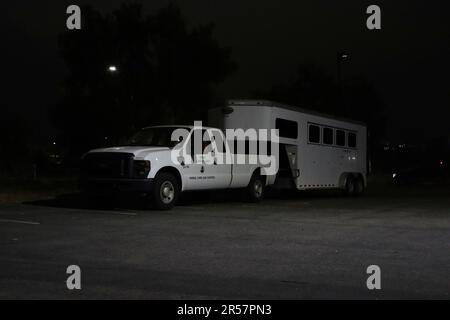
point(178, 126)
point(268, 103)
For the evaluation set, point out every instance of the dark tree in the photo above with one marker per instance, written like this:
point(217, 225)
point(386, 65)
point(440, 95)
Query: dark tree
point(356, 99)
point(15, 146)
point(311, 88)
point(166, 73)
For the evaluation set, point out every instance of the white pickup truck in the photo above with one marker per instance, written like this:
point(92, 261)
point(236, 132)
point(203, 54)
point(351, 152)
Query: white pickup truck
point(305, 150)
point(146, 166)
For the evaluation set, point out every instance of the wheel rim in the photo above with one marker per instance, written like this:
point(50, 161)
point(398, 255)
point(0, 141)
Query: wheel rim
point(167, 192)
point(258, 188)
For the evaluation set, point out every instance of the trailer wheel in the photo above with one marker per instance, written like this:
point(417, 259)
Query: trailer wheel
point(359, 186)
point(349, 186)
point(255, 188)
point(165, 191)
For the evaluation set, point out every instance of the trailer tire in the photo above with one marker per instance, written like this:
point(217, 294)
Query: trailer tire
point(255, 188)
point(359, 186)
point(165, 191)
point(350, 185)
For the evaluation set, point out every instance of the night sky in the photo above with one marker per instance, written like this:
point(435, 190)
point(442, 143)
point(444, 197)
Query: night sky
point(407, 61)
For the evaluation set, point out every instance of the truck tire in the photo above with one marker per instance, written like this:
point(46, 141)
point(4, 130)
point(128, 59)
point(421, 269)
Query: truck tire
point(349, 189)
point(255, 188)
point(165, 191)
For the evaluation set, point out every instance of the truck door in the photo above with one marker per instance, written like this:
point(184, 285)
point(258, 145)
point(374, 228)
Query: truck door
point(193, 170)
point(220, 169)
point(204, 172)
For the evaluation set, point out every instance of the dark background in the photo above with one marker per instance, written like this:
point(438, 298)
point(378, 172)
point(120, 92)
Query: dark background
point(399, 76)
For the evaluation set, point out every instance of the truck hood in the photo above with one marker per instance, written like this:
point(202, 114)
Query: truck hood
point(139, 152)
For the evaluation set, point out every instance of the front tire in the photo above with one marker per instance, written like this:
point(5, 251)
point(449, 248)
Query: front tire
point(166, 191)
point(255, 188)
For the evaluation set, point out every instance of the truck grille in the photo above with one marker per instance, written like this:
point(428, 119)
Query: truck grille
point(107, 165)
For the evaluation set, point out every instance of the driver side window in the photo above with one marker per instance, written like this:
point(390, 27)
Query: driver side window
point(198, 143)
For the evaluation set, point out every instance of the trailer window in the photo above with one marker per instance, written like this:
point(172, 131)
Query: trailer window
point(287, 128)
point(352, 140)
point(340, 138)
point(314, 134)
point(327, 136)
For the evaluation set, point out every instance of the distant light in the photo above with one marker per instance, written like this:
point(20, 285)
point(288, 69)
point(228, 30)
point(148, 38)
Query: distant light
point(441, 163)
point(112, 68)
point(394, 175)
point(54, 143)
point(343, 55)
point(106, 138)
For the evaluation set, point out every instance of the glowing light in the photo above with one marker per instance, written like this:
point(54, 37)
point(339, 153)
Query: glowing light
point(394, 175)
point(112, 68)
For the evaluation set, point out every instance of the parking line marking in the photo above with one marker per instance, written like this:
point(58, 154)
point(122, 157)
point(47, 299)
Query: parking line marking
point(126, 213)
point(20, 221)
point(196, 208)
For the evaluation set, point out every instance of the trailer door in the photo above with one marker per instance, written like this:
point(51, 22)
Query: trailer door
point(291, 151)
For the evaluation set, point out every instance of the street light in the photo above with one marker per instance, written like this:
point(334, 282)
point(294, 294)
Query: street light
point(341, 57)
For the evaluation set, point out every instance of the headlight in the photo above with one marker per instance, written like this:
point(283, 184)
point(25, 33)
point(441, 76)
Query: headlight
point(141, 168)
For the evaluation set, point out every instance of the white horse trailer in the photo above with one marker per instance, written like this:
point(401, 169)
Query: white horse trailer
point(316, 151)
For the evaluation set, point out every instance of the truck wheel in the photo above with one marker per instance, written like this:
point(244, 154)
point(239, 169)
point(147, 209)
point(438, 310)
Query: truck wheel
point(349, 186)
point(166, 191)
point(255, 188)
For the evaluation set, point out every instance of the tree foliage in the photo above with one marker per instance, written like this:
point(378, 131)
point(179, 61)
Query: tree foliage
point(166, 73)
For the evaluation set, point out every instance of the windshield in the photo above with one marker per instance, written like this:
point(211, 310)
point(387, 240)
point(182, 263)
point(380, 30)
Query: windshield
point(155, 137)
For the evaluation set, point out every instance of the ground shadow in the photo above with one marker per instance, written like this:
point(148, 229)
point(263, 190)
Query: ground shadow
point(194, 198)
point(236, 196)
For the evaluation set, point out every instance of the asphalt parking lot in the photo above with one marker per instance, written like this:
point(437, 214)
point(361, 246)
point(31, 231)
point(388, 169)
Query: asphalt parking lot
point(299, 246)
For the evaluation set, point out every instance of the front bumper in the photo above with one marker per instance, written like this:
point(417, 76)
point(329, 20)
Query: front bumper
point(116, 186)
